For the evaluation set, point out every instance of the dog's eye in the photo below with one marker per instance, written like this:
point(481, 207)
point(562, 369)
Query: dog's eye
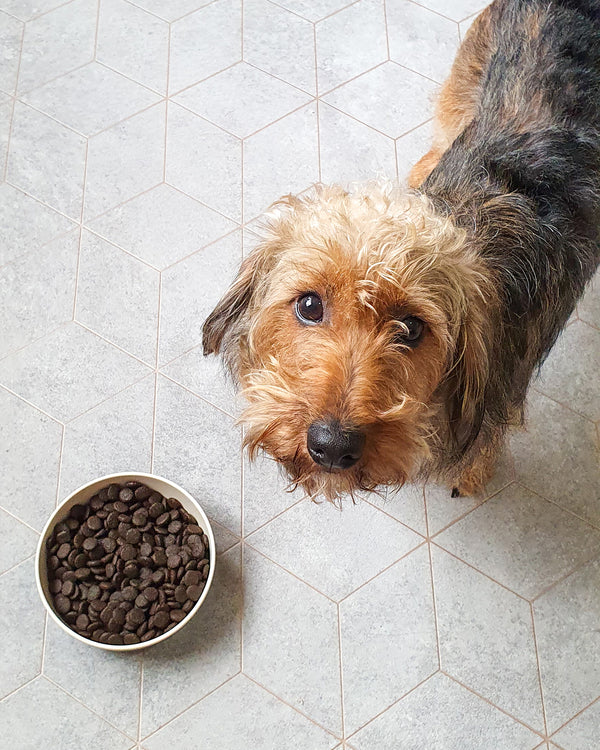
point(410, 331)
point(309, 308)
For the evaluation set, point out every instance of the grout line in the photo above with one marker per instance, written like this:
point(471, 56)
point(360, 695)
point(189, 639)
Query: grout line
point(89, 219)
point(46, 205)
point(434, 603)
point(387, 31)
point(595, 556)
point(44, 636)
point(29, 403)
point(339, 10)
point(157, 92)
point(117, 346)
point(277, 78)
point(537, 389)
point(285, 510)
point(47, 12)
point(60, 465)
point(189, 86)
point(21, 562)
point(111, 242)
point(193, 393)
point(235, 229)
point(37, 86)
point(141, 698)
point(389, 515)
point(593, 524)
point(77, 264)
point(14, 104)
point(97, 29)
point(20, 520)
point(339, 637)
point(21, 687)
point(154, 423)
point(392, 704)
point(187, 708)
point(435, 12)
point(89, 708)
point(242, 598)
point(206, 205)
point(317, 107)
point(539, 668)
point(568, 721)
point(290, 11)
point(494, 705)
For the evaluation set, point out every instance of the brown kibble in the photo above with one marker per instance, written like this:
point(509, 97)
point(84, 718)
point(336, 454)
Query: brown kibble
point(62, 604)
point(177, 615)
point(63, 551)
point(194, 592)
point(89, 544)
point(173, 561)
point(136, 616)
point(128, 552)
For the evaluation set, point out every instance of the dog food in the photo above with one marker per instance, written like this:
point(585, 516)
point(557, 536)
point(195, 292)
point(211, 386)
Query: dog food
point(127, 566)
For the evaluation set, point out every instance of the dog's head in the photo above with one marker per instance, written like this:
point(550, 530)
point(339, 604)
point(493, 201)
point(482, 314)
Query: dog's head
point(355, 322)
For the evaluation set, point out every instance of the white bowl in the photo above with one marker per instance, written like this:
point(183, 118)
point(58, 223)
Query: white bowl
point(82, 495)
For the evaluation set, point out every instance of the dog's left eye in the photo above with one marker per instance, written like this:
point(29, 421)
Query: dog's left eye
point(410, 331)
point(309, 308)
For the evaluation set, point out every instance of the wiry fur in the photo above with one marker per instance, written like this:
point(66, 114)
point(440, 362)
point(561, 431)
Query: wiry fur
point(492, 251)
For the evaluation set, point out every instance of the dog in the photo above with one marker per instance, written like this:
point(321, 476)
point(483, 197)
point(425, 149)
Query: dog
point(382, 335)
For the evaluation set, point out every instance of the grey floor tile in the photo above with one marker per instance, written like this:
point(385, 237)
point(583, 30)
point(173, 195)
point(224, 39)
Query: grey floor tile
point(385, 655)
point(199, 447)
point(206, 377)
point(204, 162)
point(21, 634)
point(11, 34)
point(20, 541)
point(269, 35)
point(571, 475)
point(573, 381)
point(201, 656)
point(161, 226)
point(117, 297)
point(294, 656)
point(486, 639)
point(190, 289)
point(566, 623)
point(442, 715)
point(455, 9)
point(589, 307)
point(30, 460)
point(27, 9)
point(107, 681)
point(421, 40)
point(267, 491)
point(47, 160)
point(350, 42)
point(280, 159)
point(125, 160)
point(133, 42)
point(61, 723)
point(241, 714)
point(204, 43)
point(115, 436)
point(411, 147)
point(26, 223)
point(466, 23)
point(376, 98)
point(325, 553)
point(37, 292)
point(224, 539)
point(407, 505)
point(171, 10)
point(582, 732)
point(57, 42)
point(242, 99)
point(352, 151)
point(91, 98)
point(69, 371)
point(521, 540)
point(314, 10)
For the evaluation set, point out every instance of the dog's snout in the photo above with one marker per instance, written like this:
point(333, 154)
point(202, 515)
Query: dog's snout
point(333, 446)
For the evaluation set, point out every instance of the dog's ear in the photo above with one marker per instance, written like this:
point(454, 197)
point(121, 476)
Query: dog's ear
point(234, 303)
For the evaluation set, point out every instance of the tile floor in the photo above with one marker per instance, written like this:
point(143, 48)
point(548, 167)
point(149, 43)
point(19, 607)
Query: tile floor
point(139, 140)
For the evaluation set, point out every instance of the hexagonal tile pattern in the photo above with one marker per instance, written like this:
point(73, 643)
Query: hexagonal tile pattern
point(421, 40)
point(270, 32)
point(570, 476)
point(140, 143)
point(574, 381)
point(441, 713)
point(242, 99)
point(25, 222)
point(203, 655)
point(57, 42)
point(134, 43)
point(325, 553)
point(566, 624)
point(241, 714)
point(37, 292)
point(378, 99)
point(47, 160)
point(69, 371)
point(161, 226)
point(21, 630)
point(61, 722)
point(293, 656)
point(522, 541)
point(91, 98)
point(204, 43)
point(114, 436)
point(117, 297)
point(486, 639)
point(383, 656)
point(35, 441)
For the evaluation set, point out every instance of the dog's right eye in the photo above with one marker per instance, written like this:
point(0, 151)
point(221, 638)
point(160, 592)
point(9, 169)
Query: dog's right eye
point(309, 309)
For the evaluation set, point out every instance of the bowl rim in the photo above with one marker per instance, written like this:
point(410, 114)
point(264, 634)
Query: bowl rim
point(112, 478)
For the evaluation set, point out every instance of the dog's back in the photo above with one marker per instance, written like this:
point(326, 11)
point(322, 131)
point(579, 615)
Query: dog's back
point(523, 177)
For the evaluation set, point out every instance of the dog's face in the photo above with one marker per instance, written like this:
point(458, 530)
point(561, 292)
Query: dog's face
point(341, 329)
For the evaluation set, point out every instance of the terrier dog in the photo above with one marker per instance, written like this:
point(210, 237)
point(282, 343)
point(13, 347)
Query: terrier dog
point(381, 336)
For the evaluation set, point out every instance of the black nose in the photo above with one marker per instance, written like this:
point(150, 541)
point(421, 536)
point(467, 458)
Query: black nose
point(334, 446)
